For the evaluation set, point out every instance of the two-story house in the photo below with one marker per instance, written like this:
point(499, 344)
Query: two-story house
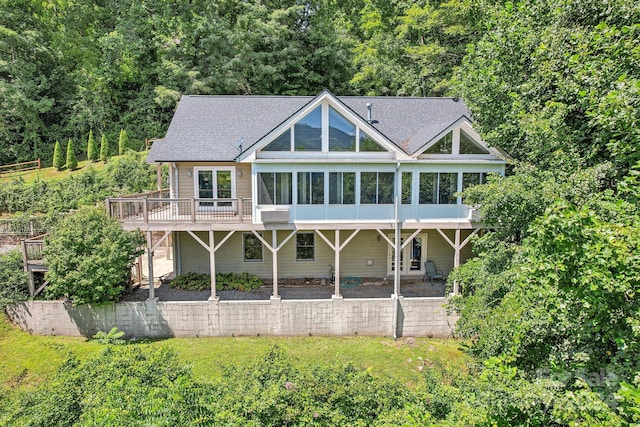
point(287, 186)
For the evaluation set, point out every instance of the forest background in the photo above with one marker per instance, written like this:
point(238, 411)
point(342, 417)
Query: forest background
point(550, 305)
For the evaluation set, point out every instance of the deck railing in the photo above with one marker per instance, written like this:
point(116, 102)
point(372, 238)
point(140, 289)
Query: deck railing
point(161, 210)
point(33, 251)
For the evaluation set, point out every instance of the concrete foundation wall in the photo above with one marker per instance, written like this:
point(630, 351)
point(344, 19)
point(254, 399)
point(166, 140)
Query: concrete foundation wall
point(416, 317)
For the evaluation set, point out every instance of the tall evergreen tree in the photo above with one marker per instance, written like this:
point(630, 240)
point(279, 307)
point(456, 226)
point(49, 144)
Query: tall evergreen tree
point(123, 141)
point(105, 153)
point(72, 162)
point(58, 162)
point(92, 148)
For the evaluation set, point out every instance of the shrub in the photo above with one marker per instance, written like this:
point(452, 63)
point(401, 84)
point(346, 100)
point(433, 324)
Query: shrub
point(72, 162)
point(224, 282)
point(113, 337)
point(90, 257)
point(58, 163)
point(105, 153)
point(123, 141)
point(14, 284)
point(92, 149)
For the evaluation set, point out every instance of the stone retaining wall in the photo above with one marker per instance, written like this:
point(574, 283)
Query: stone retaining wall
point(415, 317)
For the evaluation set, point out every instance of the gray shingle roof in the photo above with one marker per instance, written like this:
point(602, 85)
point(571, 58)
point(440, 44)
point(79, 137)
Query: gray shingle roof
point(208, 128)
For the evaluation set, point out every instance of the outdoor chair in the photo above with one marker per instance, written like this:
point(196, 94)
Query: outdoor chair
point(431, 273)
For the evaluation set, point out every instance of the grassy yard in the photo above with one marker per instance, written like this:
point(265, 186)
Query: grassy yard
point(26, 360)
point(50, 174)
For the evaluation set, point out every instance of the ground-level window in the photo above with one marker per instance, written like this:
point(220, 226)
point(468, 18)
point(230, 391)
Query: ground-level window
point(252, 248)
point(376, 187)
point(274, 188)
point(310, 188)
point(438, 188)
point(305, 247)
point(342, 188)
point(473, 178)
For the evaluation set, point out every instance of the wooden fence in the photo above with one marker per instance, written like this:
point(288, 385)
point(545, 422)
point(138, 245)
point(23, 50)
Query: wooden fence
point(30, 227)
point(20, 167)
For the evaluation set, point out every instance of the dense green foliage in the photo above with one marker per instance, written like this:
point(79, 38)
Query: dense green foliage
point(90, 257)
point(123, 175)
point(105, 151)
point(224, 281)
point(14, 284)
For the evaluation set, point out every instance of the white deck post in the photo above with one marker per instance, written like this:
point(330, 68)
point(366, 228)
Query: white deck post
point(274, 242)
point(396, 271)
point(456, 261)
point(152, 290)
point(212, 265)
point(337, 264)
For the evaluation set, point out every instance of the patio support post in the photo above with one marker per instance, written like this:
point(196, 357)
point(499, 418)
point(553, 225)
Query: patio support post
point(274, 242)
point(336, 261)
point(396, 271)
point(456, 261)
point(152, 290)
point(212, 265)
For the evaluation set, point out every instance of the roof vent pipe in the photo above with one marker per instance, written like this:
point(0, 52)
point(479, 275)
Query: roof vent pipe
point(369, 112)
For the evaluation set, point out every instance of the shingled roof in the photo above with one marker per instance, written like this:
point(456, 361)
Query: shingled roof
point(209, 128)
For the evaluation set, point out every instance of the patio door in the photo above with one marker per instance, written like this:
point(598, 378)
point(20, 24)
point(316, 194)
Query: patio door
point(217, 184)
point(412, 257)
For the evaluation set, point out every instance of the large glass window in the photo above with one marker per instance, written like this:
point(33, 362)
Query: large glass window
point(406, 188)
point(443, 146)
point(252, 248)
point(438, 188)
point(473, 178)
point(376, 187)
point(469, 146)
point(342, 188)
point(305, 247)
point(274, 188)
point(342, 133)
point(368, 144)
point(308, 132)
point(310, 188)
point(281, 143)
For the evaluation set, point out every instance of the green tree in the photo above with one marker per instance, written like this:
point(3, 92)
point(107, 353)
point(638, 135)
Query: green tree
point(92, 148)
point(90, 257)
point(105, 152)
point(58, 161)
point(72, 162)
point(123, 142)
point(14, 284)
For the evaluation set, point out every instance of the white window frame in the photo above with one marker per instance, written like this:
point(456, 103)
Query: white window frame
point(214, 170)
point(314, 246)
point(252, 261)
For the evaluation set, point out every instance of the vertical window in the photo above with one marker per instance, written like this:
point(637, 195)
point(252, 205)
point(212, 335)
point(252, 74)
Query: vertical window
point(438, 188)
point(342, 188)
point(310, 188)
point(428, 188)
point(406, 188)
point(342, 133)
point(376, 187)
point(305, 247)
point(274, 188)
point(307, 132)
point(251, 248)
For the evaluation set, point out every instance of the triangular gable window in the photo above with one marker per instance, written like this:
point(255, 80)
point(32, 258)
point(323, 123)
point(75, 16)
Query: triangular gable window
point(281, 143)
point(342, 133)
point(443, 146)
point(307, 132)
point(368, 144)
point(469, 146)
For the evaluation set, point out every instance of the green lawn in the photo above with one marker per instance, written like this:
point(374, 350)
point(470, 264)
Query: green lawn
point(26, 360)
point(50, 174)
